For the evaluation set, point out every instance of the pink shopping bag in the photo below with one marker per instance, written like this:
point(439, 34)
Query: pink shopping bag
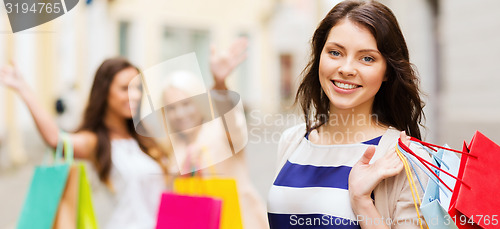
point(188, 212)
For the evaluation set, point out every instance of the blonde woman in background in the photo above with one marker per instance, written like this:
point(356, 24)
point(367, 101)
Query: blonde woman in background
point(199, 143)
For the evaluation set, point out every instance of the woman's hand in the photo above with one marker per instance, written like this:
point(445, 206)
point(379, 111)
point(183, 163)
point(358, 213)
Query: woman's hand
point(364, 177)
point(10, 76)
point(84, 143)
point(222, 64)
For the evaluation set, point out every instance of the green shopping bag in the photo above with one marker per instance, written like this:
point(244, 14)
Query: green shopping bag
point(45, 191)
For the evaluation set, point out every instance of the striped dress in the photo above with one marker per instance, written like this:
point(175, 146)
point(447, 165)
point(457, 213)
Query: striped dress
point(311, 189)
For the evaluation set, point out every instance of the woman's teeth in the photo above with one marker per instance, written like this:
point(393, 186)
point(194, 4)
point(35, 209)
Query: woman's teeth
point(345, 85)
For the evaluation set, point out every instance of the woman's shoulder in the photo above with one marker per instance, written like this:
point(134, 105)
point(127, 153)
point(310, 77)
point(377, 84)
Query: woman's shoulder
point(84, 144)
point(390, 137)
point(299, 129)
point(289, 140)
point(390, 140)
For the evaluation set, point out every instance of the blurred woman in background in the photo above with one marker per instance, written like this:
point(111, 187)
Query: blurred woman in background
point(202, 142)
point(129, 164)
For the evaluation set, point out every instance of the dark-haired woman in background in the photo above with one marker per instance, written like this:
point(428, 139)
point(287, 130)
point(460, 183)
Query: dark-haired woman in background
point(129, 164)
point(359, 95)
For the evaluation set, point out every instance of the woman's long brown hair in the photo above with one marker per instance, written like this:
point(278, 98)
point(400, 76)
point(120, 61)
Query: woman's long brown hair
point(397, 103)
point(93, 119)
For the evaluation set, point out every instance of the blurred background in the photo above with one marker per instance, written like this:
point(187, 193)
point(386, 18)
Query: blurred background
point(453, 43)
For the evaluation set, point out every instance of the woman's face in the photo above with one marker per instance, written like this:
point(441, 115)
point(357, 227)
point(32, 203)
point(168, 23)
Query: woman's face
point(182, 113)
point(351, 69)
point(122, 99)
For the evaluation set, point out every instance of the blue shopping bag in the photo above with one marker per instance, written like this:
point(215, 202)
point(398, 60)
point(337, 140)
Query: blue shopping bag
point(432, 208)
point(45, 191)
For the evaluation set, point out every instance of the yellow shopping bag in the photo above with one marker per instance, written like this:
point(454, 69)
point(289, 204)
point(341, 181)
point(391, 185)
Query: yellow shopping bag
point(221, 188)
point(85, 218)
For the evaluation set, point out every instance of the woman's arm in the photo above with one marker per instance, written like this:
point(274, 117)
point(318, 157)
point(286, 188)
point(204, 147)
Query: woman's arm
point(226, 102)
point(84, 143)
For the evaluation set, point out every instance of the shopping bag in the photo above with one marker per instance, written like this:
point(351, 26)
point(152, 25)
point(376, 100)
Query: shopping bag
point(222, 188)
point(472, 205)
point(85, 214)
point(477, 202)
point(76, 209)
point(451, 164)
point(409, 175)
point(434, 213)
point(431, 208)
point(433, 174)
point(45, 191)
point(67, 212)
point(461, 220)
point(188, 212)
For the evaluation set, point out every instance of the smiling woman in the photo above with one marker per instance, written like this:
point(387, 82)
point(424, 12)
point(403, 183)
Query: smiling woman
point(351, 70)
point(126, 99)
point(359, 68)
point(382, 46)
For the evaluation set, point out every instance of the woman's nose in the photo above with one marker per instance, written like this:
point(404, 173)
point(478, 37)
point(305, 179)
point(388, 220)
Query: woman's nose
point(347, 68)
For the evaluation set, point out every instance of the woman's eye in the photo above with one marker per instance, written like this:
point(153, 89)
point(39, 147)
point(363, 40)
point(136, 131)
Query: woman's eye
point(368, 59)
point(335, 53)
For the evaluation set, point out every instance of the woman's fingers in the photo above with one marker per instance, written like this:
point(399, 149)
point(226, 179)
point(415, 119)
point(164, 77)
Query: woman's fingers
point(390, 167)
point(404, 138)
point(223, 63)
point(9, 72)
point(238, 51)
point(364, 176)
point(368, 155)
point(390, 172)
point(239, 46)
point(393, 163)
point(7, 75)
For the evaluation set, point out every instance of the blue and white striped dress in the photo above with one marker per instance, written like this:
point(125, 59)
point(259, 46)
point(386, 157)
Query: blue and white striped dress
point(311, 189)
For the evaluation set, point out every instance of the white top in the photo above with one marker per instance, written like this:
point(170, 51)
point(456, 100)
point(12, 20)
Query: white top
point(393, 197)
point(312, 188)
point(138, 183)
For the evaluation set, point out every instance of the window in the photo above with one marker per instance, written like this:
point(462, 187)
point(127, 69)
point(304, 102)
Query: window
point(124, 28)
point(179, 41)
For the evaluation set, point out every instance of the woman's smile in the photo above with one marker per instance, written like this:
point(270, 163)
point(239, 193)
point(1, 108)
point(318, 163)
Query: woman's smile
point(344, 87)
